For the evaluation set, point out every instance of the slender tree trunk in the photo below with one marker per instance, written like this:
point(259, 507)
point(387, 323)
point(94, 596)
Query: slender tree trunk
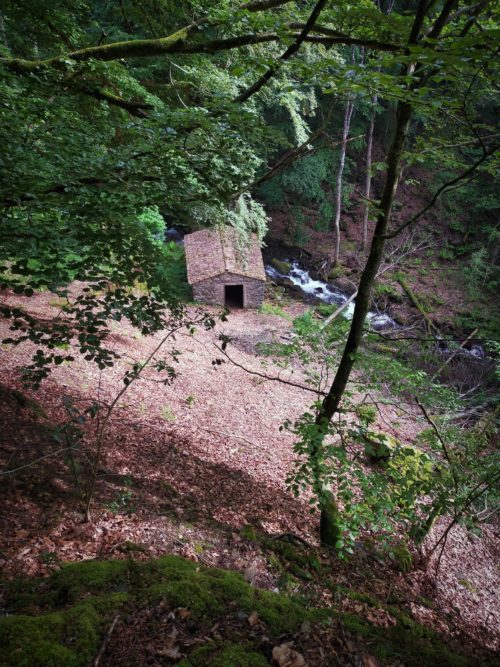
point(338, 188)
point(369, 146)
point(3, 31)
point(331, 402)
point(368, 175)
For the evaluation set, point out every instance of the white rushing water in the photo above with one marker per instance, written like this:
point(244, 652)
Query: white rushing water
point(326, 293)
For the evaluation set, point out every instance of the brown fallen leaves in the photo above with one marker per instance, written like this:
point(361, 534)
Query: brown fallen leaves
point(286, 656)
point(253, 619)
point(228, 434)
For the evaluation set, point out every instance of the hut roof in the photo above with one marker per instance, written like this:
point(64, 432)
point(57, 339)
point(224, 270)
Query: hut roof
point(211, 252)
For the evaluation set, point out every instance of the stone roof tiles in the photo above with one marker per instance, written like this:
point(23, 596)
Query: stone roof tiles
point(211, 252)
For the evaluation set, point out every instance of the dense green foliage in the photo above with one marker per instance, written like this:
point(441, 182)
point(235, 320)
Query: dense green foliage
point(383, 486)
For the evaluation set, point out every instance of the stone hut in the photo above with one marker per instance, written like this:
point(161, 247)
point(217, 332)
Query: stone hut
point(222, 272)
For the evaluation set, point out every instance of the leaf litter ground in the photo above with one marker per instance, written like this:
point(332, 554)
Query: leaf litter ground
point(190, 467)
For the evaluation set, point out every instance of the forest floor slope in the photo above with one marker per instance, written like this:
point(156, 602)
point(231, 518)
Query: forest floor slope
point(198, 469)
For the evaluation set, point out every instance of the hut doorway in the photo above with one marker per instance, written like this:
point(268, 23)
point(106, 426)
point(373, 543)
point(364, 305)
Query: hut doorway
point(233, 296)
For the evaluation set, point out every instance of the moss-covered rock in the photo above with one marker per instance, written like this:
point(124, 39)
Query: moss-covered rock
point(336, 272)
point(379, 446)
point(68, 638)
point(60, 621)
point(281, 267)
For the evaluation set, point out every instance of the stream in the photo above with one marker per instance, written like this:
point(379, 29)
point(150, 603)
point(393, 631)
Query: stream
point(325, 292)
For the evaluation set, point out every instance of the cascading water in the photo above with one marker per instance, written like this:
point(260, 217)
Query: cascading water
point(320, 290)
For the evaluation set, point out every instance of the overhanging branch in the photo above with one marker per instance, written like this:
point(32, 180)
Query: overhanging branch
point(180, 43)
point(292, 156)
point(272, 378)
point(134, 108)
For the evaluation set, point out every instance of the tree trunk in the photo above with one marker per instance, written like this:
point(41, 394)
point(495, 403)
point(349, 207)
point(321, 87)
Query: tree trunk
point(368, 175)
point(331, 402)
point(338, 192)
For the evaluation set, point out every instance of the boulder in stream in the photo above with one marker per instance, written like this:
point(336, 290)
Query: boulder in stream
point(280, 266)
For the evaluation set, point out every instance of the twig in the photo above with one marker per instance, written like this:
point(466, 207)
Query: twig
point(293, 537)
point(446, 533)
point(32, 463)
point(290, 51)
point(270, 377)
point(204, 560)
point(439, 437)
point(105, 642)
point(413, 298)
point(455, 182)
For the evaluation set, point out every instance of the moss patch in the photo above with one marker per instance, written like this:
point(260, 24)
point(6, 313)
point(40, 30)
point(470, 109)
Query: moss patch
point(336, 272)
point(58, 638)
point(62, 620)
point(225, 655)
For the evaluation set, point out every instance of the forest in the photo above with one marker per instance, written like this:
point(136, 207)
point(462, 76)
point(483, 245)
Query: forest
point(249, 351)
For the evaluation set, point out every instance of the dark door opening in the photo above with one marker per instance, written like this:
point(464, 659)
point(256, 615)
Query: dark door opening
point(233, 296)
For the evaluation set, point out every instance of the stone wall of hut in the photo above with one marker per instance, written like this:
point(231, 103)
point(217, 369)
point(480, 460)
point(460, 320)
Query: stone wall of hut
point(212, 290)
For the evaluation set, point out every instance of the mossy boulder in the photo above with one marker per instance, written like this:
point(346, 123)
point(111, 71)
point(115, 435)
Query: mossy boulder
point(281, 267)
point(68, 638)
point(60, 622)
point(336, 272)
point(379, 446)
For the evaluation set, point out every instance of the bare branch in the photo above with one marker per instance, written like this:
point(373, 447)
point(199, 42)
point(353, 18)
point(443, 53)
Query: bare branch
point(270, 377)
point(292, 156)
point(452, 356)
point(32, 463)
point(331, 37)
point(446, 453)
